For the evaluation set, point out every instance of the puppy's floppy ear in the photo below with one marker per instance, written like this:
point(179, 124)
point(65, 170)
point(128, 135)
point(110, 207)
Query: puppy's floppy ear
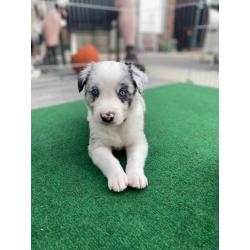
point(83, 76)
point(139, 78)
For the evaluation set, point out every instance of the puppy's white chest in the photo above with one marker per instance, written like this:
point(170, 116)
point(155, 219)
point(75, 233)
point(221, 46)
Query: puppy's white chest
point(113, 138)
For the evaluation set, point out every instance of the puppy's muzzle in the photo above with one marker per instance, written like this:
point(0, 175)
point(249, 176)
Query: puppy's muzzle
point(107, 117)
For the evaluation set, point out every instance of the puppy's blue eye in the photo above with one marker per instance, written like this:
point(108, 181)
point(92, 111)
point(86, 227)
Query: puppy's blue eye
point(122, 93)
point(95, 92)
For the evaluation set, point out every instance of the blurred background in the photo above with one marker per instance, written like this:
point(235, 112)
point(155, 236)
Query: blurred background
point(172, 40)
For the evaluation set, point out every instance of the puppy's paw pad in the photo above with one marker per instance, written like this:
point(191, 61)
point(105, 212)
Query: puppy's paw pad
point(137, 180)
point(118, 182)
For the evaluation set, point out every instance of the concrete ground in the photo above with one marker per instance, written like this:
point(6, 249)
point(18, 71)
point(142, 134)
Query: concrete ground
point(60, 85)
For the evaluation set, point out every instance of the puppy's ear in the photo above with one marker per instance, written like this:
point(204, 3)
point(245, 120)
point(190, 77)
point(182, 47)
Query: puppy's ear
point(83, 77)
point(139, 78)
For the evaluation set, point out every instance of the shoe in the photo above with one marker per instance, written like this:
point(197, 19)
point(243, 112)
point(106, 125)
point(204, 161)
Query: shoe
point(131, 58)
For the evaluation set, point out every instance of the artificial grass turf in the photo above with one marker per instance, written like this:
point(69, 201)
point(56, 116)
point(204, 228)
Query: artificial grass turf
point(72, 207)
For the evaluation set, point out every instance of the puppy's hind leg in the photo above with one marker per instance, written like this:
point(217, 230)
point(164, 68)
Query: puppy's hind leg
point(103, 158)
point(136, 156)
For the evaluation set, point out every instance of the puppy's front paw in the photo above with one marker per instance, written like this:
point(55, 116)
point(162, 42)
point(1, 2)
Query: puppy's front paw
point(137, 180)
point(118, 182)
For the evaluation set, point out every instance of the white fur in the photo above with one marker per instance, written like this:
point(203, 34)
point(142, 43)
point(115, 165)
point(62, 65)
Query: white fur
point(126, 134)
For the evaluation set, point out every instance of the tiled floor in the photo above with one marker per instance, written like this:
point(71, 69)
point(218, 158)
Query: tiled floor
point(60, 86)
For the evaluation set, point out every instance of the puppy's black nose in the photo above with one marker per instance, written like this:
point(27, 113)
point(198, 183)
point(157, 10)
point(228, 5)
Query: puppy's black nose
point(107, 117)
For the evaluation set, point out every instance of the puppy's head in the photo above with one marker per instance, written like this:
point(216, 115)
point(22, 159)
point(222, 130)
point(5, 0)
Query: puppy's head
point(110, 88)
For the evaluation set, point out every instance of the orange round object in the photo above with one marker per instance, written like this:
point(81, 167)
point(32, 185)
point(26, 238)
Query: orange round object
point(85, 55)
